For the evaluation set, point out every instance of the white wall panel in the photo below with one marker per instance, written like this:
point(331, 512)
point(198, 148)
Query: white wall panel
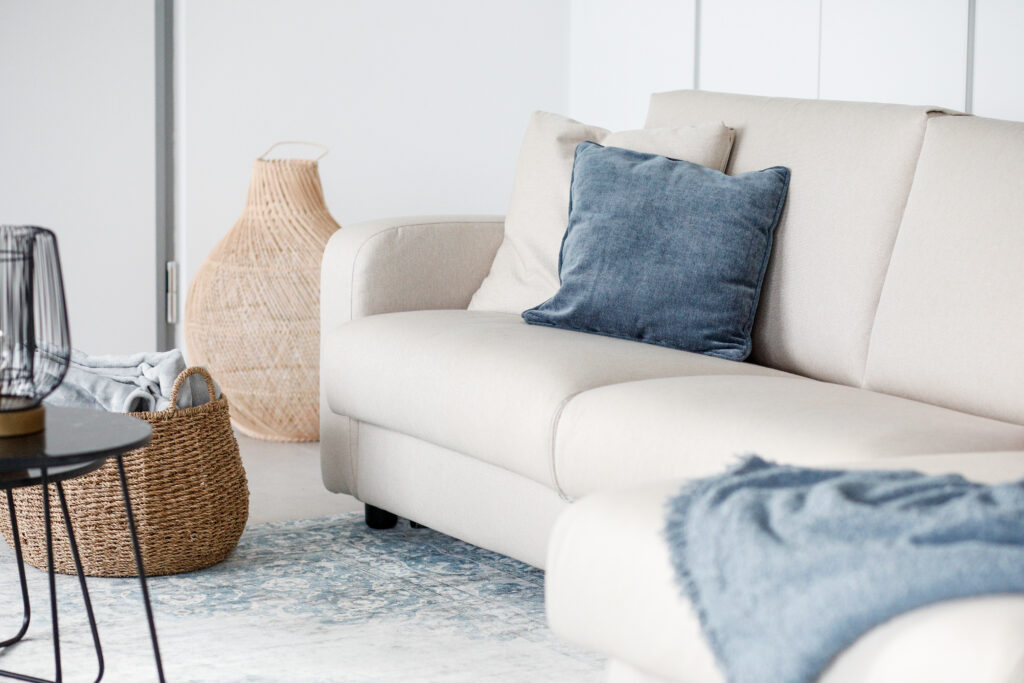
point(907, 52)
point(621, 52)
point(999, 59)
point(760, 48)
point(77, 156)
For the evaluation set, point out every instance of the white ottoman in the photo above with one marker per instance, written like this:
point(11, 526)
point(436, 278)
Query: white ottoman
point(611, 588)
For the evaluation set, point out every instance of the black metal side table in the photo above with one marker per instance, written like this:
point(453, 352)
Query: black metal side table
point(75, 442)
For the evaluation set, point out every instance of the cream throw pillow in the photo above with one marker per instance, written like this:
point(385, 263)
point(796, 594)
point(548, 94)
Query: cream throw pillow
point(524, 273)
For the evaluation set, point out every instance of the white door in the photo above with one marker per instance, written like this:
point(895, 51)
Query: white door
point(77, 155)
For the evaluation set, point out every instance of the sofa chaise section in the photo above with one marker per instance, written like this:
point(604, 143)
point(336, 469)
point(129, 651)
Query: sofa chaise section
point(945, 337)
point(612, 589)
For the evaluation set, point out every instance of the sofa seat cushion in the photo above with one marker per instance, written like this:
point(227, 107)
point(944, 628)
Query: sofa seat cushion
point(645, 431)
point(485, 384)
point(611, 588)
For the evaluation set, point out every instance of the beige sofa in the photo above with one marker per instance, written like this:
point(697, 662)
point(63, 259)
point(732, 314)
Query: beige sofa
point(888, 333)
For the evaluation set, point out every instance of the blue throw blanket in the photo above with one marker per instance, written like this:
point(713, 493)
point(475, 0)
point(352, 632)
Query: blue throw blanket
point(787, 566)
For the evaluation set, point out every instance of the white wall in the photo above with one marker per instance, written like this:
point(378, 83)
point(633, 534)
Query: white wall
point(760, 48)
point(423, 104)
point(621, 52)
point(999, 59)
point(907, 51)
point(77, 156)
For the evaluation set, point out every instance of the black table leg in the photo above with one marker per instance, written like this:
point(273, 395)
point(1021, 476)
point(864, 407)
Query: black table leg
point(81, 579)
point(53, 585)
point(141, 569)
point(26, 607)
point(50, 576)
point(50, 572)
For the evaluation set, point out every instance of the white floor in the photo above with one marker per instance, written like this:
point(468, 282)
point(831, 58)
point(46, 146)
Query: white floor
point(284, 482)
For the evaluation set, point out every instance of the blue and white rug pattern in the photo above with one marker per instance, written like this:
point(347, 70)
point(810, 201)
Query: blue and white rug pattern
point(312, 600)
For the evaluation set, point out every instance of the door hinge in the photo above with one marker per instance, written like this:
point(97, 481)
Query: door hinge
point(171, 292)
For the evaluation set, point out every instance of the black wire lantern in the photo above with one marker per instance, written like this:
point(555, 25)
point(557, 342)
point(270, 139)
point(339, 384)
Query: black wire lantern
point(35, 345)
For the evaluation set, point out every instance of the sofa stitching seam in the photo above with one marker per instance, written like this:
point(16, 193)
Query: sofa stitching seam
point(556, 421)
point(353, 448)
point(928, 115)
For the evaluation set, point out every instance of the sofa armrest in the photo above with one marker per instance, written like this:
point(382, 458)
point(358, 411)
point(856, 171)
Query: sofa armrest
point(405, 264)
point(386, 266)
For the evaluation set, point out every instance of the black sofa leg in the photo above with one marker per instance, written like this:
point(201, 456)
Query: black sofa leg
point(379, 519)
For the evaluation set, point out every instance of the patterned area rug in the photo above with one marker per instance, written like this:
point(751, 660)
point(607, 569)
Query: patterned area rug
point(313, 600)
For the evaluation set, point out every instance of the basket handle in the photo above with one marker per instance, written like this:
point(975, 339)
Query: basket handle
point(297, 142)
point(185, 374)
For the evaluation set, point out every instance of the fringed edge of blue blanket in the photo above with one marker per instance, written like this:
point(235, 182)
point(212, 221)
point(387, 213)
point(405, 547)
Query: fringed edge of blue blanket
point(676, 521)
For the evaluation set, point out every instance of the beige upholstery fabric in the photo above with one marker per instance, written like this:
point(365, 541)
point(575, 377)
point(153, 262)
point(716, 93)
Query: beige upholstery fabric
point(485, 384)
point(693, 426)
point(337, 449)
point(394, 264)
point(456, 494)
point(852, 165)
point(405, 264)
point(951, 318)
point(525, 269)
point(611, 588)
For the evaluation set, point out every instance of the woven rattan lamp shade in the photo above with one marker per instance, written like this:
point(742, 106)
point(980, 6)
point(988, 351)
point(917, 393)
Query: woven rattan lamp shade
point(253, 311)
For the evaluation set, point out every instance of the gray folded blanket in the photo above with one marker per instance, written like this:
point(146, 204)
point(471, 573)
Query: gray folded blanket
point(128, 384)
point(787, 566)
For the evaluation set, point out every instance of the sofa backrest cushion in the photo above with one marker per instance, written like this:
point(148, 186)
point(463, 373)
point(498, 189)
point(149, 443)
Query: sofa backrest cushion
point(852, 166)
point(951, 316)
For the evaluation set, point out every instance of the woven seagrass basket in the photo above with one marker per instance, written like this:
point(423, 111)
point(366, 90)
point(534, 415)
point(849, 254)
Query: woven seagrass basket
point(188, 490)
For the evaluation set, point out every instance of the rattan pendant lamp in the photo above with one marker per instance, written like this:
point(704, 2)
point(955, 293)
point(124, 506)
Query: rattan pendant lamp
point(253, 311)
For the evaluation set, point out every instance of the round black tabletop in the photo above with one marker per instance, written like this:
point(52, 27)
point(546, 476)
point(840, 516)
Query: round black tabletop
point(75, 441)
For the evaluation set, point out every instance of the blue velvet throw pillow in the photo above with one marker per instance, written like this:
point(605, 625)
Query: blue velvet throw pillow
point(664, 251)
